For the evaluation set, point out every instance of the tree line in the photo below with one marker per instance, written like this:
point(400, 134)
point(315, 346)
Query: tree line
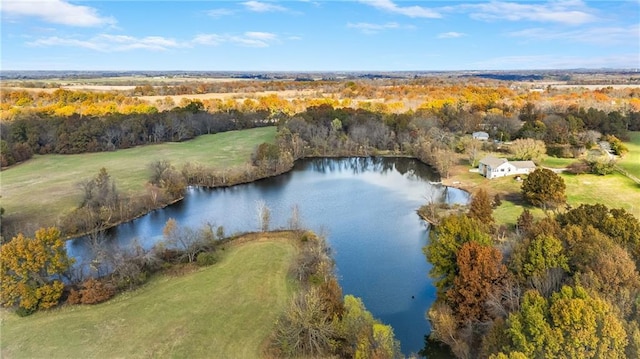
point(37, 134)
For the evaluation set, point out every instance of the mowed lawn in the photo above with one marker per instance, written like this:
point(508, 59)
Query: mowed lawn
point(613, 190)
point(631, 161)
point(224, 311)
point(45, 187)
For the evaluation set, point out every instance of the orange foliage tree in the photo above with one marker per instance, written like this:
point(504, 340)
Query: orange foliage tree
point(480, 272)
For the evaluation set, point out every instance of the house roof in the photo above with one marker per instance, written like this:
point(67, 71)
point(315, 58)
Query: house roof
point(493, 161)
point(523, 164)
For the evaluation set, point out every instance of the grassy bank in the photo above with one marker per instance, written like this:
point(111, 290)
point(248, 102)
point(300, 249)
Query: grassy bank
point(44, 188)
point(223, 311)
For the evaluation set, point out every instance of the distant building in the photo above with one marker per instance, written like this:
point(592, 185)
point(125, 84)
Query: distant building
point(492, 167)
point(481, 135)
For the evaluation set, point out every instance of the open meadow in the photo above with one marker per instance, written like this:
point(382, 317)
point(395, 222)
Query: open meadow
point(45, 187)
point(223, 311)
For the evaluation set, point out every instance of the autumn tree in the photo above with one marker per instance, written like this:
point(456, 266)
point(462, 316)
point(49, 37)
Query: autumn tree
point(444, 243)
point(544, 188)
point(535, 257)
point(524, 222)
point(480, 207)
point(587, 326)
point(480, 272)
point(530, 330)
point(612, 274)
point(30, 270)
point(617, 223)
point(165, 176)
point(365, 336)
point(525, 149)
point(444, 328)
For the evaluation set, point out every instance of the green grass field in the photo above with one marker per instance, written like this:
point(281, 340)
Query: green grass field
point(45, 187)
point(224, 311)
point(555, 162)
point(614, 190)
point(631, 161)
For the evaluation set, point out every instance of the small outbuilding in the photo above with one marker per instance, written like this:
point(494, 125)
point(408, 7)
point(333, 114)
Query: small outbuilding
point(481, 135)
point(493, 167)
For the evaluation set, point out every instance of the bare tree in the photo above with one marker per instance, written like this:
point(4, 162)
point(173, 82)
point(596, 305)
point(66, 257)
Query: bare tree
point(184, 239)
point(264, 215)
point(295, 223)
point(472, 149)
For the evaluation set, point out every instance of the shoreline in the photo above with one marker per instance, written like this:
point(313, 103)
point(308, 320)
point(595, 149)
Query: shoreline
point(445, 182)
point(260, 175)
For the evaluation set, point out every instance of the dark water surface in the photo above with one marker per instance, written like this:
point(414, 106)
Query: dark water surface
point(365, 206)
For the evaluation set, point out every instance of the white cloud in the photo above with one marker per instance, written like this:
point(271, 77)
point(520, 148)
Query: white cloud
point(569, 12)
point(208, 39)
point(258, 6)
point(410, 11)
point(248, 39)
point(260, 35)
point(369, 28)
point(612, 35)
point(118, 43)
point(451, 35)
point(110, 43)
point(57, 12)
point(220, 12)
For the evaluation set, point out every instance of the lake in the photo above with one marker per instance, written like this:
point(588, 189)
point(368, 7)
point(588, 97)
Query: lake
point(366, 208)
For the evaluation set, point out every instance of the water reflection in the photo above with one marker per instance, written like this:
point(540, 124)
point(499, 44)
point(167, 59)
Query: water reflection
point(367, 208)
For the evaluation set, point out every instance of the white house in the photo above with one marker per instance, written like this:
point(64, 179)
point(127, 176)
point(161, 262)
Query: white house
point(492, 167)
point(480, 135)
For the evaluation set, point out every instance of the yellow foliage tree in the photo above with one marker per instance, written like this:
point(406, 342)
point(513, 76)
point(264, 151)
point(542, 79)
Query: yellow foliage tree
point(30, 270)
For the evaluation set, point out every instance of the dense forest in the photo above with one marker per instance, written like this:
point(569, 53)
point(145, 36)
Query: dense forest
point(565, 286)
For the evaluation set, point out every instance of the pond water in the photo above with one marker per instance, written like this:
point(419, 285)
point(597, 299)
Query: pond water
point(366, 207)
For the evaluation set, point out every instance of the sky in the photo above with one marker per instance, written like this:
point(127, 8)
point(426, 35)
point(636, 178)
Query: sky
point(309, 35)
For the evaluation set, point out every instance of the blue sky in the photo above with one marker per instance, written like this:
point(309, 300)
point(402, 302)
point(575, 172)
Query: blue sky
point(367, 35)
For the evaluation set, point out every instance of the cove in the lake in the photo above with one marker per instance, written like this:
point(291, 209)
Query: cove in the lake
point(366, 207)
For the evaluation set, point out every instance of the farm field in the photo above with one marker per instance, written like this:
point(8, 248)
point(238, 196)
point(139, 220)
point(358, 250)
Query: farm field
point(224, 311)
point(45, 187)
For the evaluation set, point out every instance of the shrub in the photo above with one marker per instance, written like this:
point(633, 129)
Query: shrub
point(206, 259)
point(603, 167)
point(74, 297)
point(95, 291)
point(24, 312)
point(579, 167)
